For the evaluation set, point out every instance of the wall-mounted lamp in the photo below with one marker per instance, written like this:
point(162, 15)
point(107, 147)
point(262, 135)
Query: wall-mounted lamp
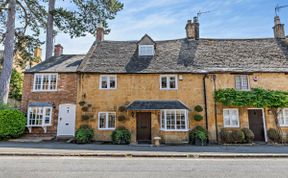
point(132, 114)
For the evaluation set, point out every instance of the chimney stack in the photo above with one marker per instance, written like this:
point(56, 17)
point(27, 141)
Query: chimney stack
point(100, 33)
point(278, 28)
point(192, 29)
point(58, 50)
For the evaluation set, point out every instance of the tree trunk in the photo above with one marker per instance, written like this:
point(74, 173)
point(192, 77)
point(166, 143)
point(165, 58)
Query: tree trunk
point(49, 32)
point(9, 43)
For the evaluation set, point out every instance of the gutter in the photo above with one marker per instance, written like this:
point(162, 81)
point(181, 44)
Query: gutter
point(205, 101)
point(215, 109)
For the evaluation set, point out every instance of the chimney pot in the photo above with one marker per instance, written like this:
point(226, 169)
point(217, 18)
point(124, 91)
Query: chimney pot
point(192, 29)
point(278, 28)
point(58, 50)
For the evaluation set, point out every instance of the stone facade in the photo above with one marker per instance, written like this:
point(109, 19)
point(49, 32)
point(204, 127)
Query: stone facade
point(66, 93)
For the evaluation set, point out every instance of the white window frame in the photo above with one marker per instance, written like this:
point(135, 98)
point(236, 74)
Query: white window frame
point(238, 118)
point(43, 116)
point(168, 82)
point(241, 80)
point(164, 128)
point(141, 53)
point(42, 75)
point(108, 82)
point(283, 115)
point(106, 119)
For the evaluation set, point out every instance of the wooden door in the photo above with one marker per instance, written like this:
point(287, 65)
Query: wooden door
point(256, 124)
point(143, 127)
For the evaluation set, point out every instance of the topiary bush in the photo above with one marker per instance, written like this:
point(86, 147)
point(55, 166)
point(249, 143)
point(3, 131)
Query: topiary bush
point(237, 136)
point(84, 134)
point(121, 136)
point(198, 108)
point(198, 117)
point(226, 136)
point(194, 133)
point(274, 135)
point(249, 135)
point(12, 123)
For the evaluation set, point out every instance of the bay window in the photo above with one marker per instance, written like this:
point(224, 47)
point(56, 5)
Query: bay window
point(176, 120)
point(39, 116)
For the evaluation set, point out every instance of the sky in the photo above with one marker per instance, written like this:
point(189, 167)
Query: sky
point(166, 19)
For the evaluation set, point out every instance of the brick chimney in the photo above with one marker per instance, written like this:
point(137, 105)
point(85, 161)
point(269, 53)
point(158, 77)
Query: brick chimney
point(278, 28)
point(58, 50)
point(192, 29)
point(100, 32)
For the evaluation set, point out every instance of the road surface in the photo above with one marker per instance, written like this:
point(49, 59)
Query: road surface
point(79, 167)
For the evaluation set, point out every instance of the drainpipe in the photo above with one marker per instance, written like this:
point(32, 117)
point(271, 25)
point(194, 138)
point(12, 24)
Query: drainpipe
point(215, 109)
point(205, 101)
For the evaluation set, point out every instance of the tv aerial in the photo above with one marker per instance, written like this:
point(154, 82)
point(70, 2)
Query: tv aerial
point(278, 8)
point(199, 13)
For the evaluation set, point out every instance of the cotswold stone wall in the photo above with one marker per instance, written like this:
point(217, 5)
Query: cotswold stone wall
point(132, 87)
point(66, 93)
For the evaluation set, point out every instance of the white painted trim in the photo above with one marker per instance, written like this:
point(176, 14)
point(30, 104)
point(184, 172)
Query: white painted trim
point(264, 121)
point(106, 119)
point(108, 82)
point(165, 120)
point(248, 82)
point(285, 125)
point(236, 126)
point(168, 82)
point(43, 117)
point(42, 74)
point(74, 122)
point(146, 46)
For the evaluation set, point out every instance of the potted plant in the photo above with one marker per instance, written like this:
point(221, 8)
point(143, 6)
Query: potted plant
point(201, 138)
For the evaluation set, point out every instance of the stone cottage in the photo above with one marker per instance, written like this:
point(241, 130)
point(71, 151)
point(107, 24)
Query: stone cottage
point(152, 87)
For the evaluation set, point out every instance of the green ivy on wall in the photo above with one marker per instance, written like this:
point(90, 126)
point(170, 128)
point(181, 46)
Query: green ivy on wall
point(256, 97)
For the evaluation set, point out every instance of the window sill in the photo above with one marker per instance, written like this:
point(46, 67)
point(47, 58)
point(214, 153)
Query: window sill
point(38, 125)
point(107, 88)
point(106, 129)
point(37, 91)
point(164, 89)
point(166, 130)
point(231, 127)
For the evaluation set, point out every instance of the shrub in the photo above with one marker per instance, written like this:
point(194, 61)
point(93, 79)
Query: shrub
point(121, 136)
point(248, 134)
point(84, 134)
point(85, 117)
point(82, 103)
point(237, 136)
point(196, 133)
point(198, 117)
point(226, 136)
point(12, 123)
point(6, 106)
point(122, 108)
point(121, 117)
point(274, 135)
point(198, 108)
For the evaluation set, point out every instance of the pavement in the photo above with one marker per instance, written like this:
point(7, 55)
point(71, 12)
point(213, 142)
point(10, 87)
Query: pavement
point(76, 167)
point(108, 150)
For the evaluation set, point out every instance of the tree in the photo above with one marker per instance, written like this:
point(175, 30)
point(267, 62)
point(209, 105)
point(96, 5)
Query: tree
point(82, 19)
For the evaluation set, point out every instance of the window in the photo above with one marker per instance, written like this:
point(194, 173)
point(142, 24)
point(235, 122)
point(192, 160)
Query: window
point(108, 82)
point(146, 50)
point(106, 120)
point(39, 116)
point(168, 82)
point(45, 82)
point(174, 120)
point(231, 117)
point(241, 82)
point(283, 117)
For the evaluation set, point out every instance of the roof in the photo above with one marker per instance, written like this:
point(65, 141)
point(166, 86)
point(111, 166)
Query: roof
point(189, 56)
point(63, 63)
point(40, 104)
point(156, 105)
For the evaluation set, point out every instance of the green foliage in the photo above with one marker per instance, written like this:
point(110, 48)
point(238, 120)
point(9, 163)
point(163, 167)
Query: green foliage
point(6, 106)
point(121, 136)
point(257, 97)
point(198, 117)
point(249, 135)
point(274, 135)
point(12, 123)
point(16, 85)
point(226, 136)
point(198, 108)
point(84, 134)
point(237, 136)
point(198, 132)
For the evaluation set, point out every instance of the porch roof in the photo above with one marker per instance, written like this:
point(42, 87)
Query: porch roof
point(40, 104)
point(156, 105)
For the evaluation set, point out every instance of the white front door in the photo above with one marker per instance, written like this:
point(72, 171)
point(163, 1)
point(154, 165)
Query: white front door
point(66, 120)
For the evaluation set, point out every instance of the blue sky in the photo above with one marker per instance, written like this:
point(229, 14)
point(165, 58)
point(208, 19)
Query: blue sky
point(166, 19)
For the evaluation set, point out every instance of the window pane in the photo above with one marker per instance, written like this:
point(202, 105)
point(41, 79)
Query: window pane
point(164, 82)
point(180, 120)
point(172, 83)
point(47, 118)
point(226, 118)
point(170, 119)
point(53, 81)
point(112, 82)
point(102, 120)
point(38, 82)
point(238, 82)
point(111, 120)
point(104, 82)
point(45, 82)
point(162, 119)
point(244, 82)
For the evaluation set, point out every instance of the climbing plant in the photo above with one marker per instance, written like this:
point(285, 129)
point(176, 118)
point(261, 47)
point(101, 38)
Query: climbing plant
point(275, 100)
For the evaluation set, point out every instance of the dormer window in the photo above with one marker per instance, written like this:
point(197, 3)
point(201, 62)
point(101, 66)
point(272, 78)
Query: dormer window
point(146, 50)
